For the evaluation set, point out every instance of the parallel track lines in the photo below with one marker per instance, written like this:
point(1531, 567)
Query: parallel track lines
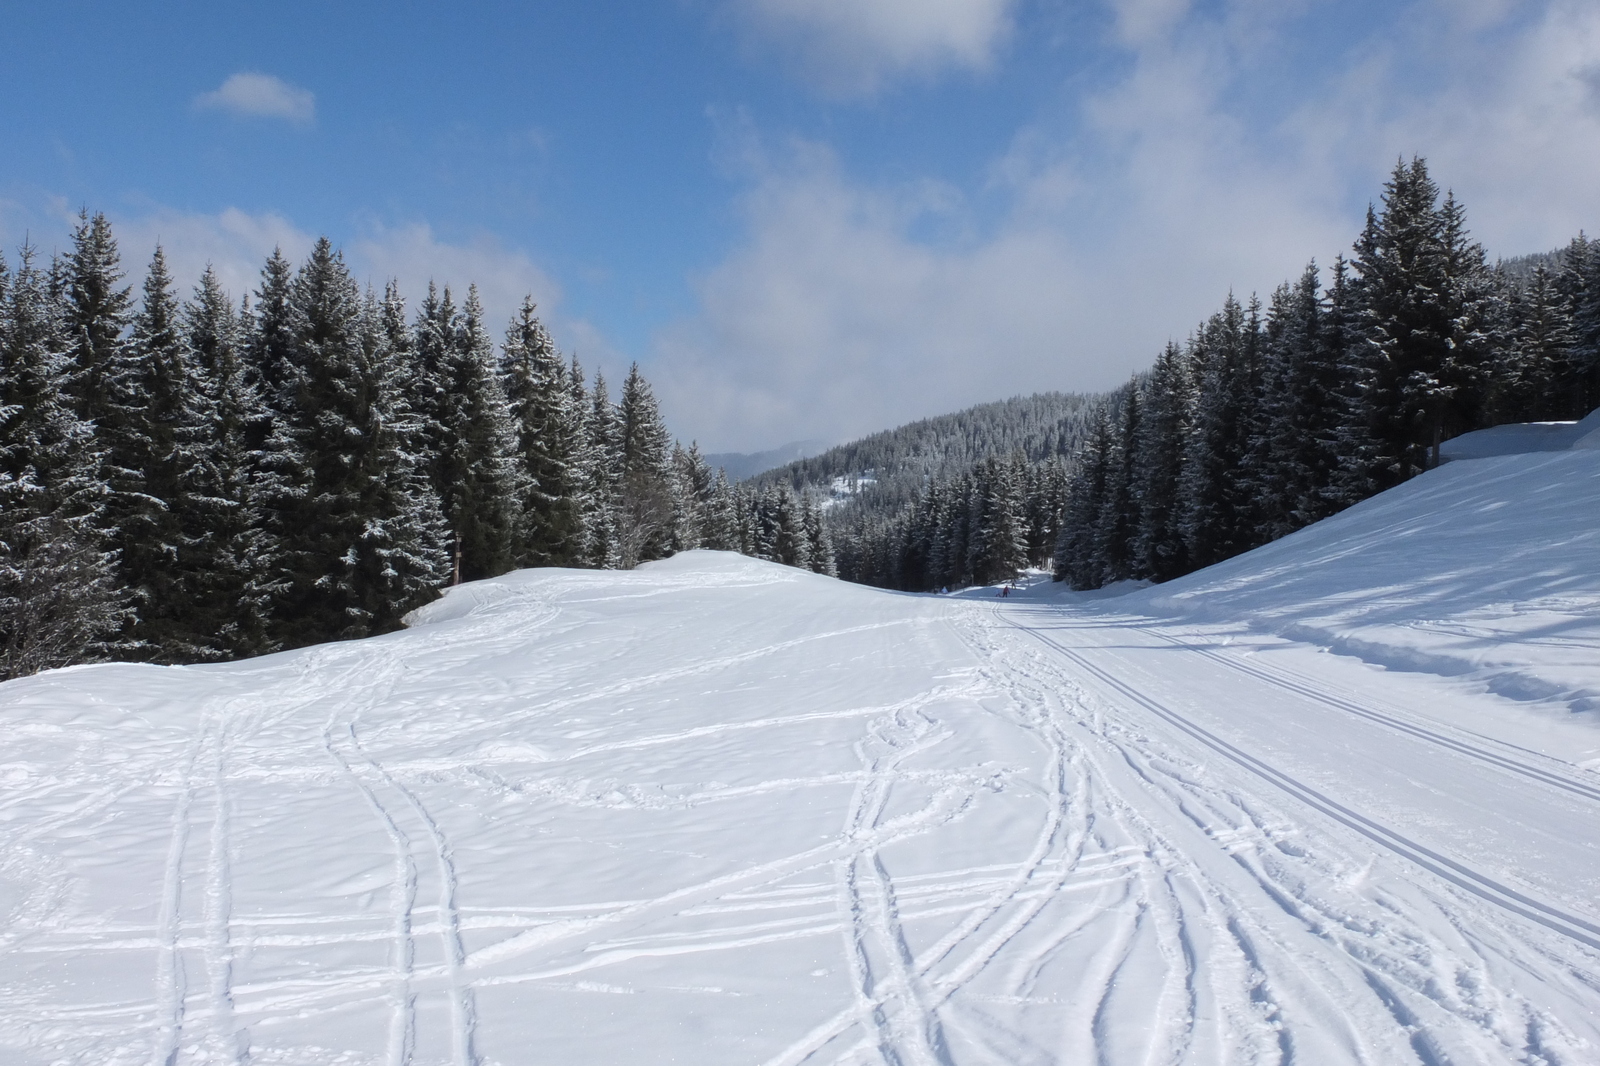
point(1507, 898)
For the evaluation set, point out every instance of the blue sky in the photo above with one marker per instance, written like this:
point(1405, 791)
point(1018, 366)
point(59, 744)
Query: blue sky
point(804, 218)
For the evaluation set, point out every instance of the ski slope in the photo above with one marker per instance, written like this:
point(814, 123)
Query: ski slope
point(1332, 802)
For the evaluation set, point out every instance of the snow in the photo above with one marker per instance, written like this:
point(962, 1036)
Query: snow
point(845, 486)
point(1331, 802)
point(1522, 437)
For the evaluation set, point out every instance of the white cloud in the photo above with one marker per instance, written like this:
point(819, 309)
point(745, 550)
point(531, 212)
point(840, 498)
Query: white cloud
point(234, 243)
point(1512, 124)
point(835, 316)
point(252, 95)
point(851, 47)
point(413, 255)
point(831, 321)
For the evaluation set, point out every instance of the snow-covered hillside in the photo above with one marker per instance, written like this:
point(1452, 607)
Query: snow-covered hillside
point(720, 811)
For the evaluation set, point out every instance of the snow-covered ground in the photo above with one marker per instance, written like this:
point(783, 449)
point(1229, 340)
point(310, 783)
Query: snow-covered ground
point(1332, 802)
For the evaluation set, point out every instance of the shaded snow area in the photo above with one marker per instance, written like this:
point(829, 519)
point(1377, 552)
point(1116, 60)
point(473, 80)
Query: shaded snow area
point(720, 811)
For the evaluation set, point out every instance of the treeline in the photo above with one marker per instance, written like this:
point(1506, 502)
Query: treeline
point(1270, 418)
point(188, 480)
point(880, 476)
point(976, 527)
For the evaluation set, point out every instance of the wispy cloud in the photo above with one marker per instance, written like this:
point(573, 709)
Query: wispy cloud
point(236, 243)
point(837, 313)
point(233, 243)
point(848, 48)
point(252, 95)
point(414, 255)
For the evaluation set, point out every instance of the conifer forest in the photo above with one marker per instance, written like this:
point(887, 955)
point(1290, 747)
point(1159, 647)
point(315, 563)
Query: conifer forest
point(191, 477)
point(1267, 418)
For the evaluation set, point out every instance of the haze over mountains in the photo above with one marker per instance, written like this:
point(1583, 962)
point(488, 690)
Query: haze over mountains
point(741, 465)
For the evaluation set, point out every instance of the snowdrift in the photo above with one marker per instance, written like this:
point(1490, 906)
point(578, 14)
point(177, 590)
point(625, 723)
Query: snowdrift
point(1486, 568)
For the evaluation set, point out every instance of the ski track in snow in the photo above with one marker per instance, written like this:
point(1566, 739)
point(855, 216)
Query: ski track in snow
point(575, 819)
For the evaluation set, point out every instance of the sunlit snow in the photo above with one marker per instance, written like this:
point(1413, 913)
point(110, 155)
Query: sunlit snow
point(720, 811)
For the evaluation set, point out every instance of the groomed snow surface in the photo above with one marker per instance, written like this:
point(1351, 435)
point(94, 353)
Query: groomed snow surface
point(1332, 802)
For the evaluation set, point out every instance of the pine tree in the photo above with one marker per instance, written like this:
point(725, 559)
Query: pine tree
point(999, 548)
point(533, 378)
point(1159, 546)
point(59, 602)
point(690, 486)
point(1580, 282)
point(819, 544)
point(362, 543)
point(1544, 379)
point(644, 514)
point(1077, 559)
point(1301, 410)
point(229, 561)
point(477, 480)
point(1218, 516)
point(719, 522)
point(1425, 304)
point(96, 317)
point(1118, 526)
point(270, 357)
point(602, 463)
point(151, 433)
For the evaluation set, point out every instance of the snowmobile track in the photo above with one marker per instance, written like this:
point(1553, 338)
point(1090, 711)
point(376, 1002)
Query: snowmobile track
point(1554, 918)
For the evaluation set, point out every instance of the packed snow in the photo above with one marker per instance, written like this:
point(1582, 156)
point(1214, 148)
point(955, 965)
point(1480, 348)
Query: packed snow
point(1332, 802)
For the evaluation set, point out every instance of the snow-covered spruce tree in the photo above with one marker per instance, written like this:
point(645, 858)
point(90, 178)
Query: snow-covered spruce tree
point(941, 551)
point(1542, 378)
point(999, 547)
point(1118, 525)
point(644, 511)
point(59, 602)
point(533, 377)
point(1045, 498)
point(1077, 560)
point(602, 466)
point(719, 521)
point(790, 544)
point(95, 316)
point(151, 434)
point(361, 543)
point(819, 544)
point(270, 352)
point(692, 490)
point(1218, 512)
point(477, 479)
point(1297, 448)
point(1159, 546)
point(1580, 281)
point(228, 563)
point(1424, 300)
point(427, 356)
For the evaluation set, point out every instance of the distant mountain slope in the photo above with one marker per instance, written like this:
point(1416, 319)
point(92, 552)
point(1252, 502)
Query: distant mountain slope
point(741, 465)
point(896, 462)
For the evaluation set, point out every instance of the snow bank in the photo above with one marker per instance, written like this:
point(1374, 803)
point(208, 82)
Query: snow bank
point(1520, 438)
point(1484, 568)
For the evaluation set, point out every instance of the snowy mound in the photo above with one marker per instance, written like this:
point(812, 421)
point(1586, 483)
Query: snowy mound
point(1519, 438)
point(1488, 569)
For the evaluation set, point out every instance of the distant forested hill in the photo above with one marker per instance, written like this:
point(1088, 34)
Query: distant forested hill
point(886, 471)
